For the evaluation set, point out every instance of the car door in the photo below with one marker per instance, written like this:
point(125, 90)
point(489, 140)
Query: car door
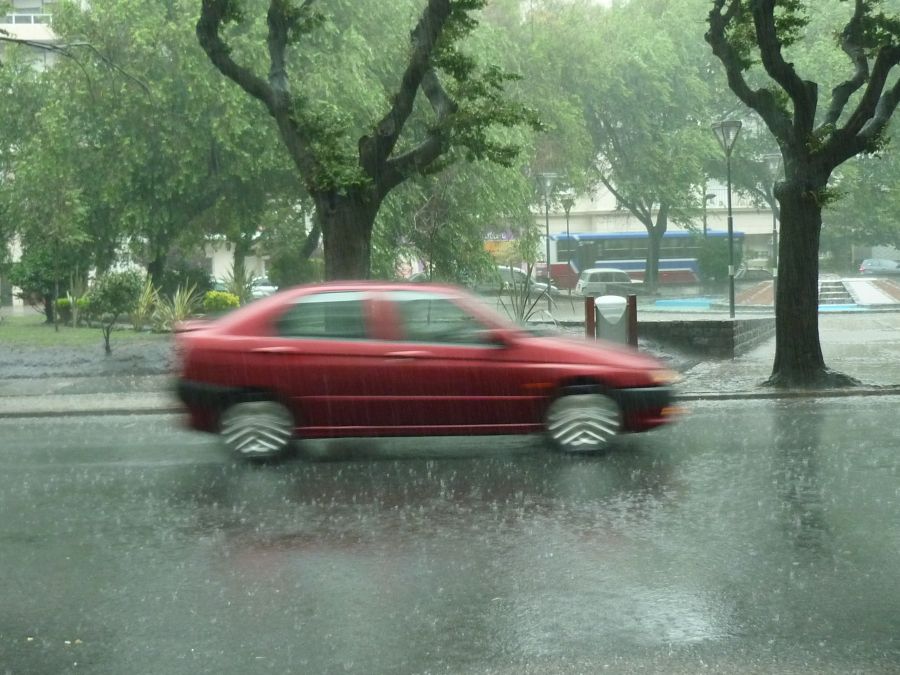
point(449, 374)
point(320, 358)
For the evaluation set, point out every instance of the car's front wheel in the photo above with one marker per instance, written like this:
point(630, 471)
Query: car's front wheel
point(257, 429)
point(583, 422)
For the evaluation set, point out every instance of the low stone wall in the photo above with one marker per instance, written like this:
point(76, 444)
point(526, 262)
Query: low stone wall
point(718, 338)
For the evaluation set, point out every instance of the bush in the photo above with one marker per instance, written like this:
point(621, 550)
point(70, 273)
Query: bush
point(64, 308)
point(145, 305)
point(179, 307)
point(216, 302)
point(113, 294)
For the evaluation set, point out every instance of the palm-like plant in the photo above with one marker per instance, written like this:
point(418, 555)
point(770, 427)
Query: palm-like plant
point(522, 301)
point(146, 304)
point(182, 305)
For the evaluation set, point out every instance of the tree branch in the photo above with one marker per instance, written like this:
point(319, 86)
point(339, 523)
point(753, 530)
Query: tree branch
point(850, 43)
point(63, 49)
point(396, 170)
point(375, 149)
point(883, 111)
point(762, 101)
point(803, 94)
point(873, 105)
point(212, 14)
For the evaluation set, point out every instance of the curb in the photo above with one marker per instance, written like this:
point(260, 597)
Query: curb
point(857, 392)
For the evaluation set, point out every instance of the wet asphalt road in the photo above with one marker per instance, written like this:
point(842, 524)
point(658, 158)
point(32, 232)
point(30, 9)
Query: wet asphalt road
point(753, 537)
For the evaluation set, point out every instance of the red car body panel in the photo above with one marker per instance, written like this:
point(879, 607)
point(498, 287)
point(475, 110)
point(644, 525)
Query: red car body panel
point(386, 384)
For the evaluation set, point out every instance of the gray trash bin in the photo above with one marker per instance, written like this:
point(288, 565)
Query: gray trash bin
point(611, 322)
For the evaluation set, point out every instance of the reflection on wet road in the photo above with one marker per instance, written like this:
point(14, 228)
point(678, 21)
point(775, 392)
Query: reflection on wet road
point(755, 536)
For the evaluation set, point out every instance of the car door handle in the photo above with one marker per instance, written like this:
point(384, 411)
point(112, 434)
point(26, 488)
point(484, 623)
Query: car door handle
point(410, 354)
point(275, 350)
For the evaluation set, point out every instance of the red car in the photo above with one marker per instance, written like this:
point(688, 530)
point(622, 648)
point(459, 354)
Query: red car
point(390, 359)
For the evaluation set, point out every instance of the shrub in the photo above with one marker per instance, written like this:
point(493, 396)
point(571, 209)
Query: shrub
point(113, 294)
point(179, 307)
point(216, 302)
point(64, 308)
point(145, 305)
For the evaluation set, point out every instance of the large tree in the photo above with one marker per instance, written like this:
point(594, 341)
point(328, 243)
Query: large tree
point(813, 143)
point(639, 83)
point(346, 168)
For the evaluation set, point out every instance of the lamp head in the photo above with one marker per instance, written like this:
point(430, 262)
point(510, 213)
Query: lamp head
point(726, 132)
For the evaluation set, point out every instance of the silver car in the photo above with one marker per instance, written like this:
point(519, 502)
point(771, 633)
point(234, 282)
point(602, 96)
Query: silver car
point(598, 281)
point(874, 266)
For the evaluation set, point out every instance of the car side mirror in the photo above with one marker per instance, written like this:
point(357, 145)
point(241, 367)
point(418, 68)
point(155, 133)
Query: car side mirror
point(496, 337)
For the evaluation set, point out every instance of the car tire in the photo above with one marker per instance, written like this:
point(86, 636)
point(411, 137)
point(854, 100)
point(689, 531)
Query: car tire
point(579, 421)
point(257, 430)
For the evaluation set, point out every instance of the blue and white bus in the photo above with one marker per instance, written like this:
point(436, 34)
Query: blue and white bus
point(679, 250)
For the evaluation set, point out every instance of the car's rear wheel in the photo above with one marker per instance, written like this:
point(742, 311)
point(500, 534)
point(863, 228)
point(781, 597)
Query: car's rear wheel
point(257, 429)
point(583, 422)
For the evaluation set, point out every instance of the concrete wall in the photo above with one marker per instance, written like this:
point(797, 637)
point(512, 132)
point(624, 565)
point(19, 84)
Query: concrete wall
point(722, 339)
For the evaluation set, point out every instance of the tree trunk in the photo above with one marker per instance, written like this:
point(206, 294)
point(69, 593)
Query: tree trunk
point(798, 352)
point(156, 268)
point(346, 222)
point(654, 243)
point(242, 246)
point(655, 234)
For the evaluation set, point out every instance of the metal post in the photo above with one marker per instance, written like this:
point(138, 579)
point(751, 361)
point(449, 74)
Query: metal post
point(726, 133)
point(590, 317)
point(547, 226)
point(632, 320)
point(730, 241)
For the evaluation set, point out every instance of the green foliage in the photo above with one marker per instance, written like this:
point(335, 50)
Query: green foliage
point(712, 258)
point(289, 268)
point(217, 302)
point(521, 302)
point(240, 285)
point(181, 272)
point(42, 272)
point(64, 309)
point(114, 294)
point(181, 306)
point(145, 305)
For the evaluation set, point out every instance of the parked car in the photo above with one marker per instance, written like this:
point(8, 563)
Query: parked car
point(876, 266)
point(605, 281)
point(387, 359)
point(261, 287)
point(507, 278)
point(753, 274)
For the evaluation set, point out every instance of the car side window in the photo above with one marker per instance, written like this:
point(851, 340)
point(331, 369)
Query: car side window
point(428, 317)
point(338, 315)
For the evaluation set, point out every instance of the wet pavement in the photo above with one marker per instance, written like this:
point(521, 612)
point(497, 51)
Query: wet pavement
point(754, 536)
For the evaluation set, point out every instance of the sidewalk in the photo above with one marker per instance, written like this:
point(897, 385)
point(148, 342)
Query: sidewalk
point(863, 345)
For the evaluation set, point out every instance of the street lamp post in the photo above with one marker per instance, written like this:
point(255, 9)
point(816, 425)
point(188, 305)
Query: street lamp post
point(726, 132)
point(548, 180)
point(568, 201)
point(773, 163)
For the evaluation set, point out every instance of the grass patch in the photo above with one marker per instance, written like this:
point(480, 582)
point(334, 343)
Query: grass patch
point(31, 331)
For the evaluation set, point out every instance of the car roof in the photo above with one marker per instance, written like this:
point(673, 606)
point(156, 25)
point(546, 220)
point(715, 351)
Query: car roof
point(604, 269)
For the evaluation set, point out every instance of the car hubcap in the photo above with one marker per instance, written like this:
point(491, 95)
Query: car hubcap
point(583, 422)
point(257, 428)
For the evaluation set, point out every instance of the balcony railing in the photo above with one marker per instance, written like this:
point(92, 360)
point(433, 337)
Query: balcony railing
point(19, 18)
